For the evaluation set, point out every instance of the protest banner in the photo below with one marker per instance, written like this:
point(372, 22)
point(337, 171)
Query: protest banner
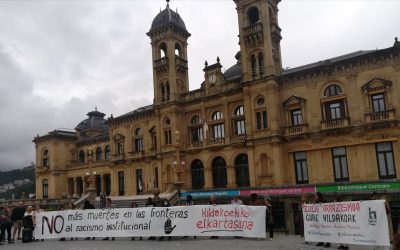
point(223, 220)
point(354, 222)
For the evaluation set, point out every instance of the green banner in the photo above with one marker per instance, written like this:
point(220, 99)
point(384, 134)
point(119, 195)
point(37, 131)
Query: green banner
point(359, 187)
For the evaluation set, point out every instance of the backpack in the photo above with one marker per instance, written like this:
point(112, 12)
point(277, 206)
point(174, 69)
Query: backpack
point(28, 221)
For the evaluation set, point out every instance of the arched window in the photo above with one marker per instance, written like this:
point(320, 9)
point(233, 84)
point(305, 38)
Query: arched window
point(334, 110)
point(238, 121)
point(107, 152)
point(163, 50)
point(98, 154)
point(167, 91)
point(332, 90)
point(162, 92)
point(81, 156)
point(253, 66)
point(261, 63)
point(197, 175)
point(45, 158)
point(167, 132)
point(138, 147)
point(261, 114)
point(217, 116)
point(178, 50)
point(219, 172)
point(196, 129)
point(45, 188)
point(253, 15)
point(218, 127)
point(242, 171)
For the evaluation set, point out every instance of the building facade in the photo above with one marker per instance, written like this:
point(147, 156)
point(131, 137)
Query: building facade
point(252, 126)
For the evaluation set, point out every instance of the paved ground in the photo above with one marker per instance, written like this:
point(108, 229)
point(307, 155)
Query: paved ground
point(280, 242)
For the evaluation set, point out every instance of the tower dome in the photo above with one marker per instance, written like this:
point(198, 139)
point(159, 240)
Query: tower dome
point(95, 122)
point(168, 17)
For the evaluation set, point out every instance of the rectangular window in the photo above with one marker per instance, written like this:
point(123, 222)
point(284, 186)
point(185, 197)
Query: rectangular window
point(296, 116)
point(121, 183)
point(378, 103)
point(45, 162)
point(300, 164)
point(168, 139)
point(197, 134)
point(385, 158)
point(340, 168)
point(45, 187)
point(120, 148)
point(139, 181)
point(262, 122)
point(240, 127)
point(156, 177)
point(334, 110)
point(139, 145)
point(218, 131)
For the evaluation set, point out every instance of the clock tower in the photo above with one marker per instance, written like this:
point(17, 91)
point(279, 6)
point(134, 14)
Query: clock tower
point(169, 36)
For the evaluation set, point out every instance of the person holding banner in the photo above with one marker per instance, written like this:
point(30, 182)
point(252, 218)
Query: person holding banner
point(109, 205)
point(165, 203)
point(134, 205)
point(87, 205)
point(189, 202)
point(150, 203)
point(396, 238)
point(342, 246)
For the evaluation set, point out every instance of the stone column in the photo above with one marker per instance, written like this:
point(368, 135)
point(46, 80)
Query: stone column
point(230, 172)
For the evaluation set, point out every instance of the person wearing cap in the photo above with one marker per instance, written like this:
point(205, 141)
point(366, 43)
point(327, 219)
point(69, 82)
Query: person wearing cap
point(269, 218)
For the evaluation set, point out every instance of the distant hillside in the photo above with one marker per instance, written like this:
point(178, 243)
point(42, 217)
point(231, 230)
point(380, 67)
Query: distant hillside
point(17, 174)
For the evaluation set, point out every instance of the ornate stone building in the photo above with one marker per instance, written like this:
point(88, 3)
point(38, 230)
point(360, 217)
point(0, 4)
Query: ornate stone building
point(253, 126)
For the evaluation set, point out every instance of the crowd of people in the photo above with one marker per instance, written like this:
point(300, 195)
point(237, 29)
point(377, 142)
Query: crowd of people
point(17, 223)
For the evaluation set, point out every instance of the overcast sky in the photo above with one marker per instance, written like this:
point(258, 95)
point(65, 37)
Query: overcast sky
point(60, 59)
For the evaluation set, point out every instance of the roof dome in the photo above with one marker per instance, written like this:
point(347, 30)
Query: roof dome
point(95, 121)
point(167, 17)
point(234, 72)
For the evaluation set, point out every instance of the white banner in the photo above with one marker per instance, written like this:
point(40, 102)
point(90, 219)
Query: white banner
point(355, 222)
point(223, 220)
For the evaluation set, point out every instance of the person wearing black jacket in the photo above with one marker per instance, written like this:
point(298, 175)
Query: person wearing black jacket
point(150, 203)
point(17, 217)
point(88, 205)
point(165, 203)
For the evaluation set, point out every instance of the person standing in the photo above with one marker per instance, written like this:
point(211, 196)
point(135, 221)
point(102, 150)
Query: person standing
point(189, 202)
point(17, 218)
point(29, 222)
point(135, 205)
point(71, 206)
point(109, 205)
point(338, 198)
point(39, 210)
point(319, 198)
point(165, 203)
point(269, 218)
point(236, 201)
point(5, 224)
point(213, 201)
point(254, 201)
point(150, 203)
point(88, 205)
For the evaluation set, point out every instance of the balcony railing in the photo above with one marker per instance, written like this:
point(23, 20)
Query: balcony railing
point(196, 144)
point(236, 139)
point(118, 157)
point(216, 141)
point(180, 62)
point(296, 129)
point(335, 123)
point(380, 116)
point(136, 155)
point(253, 33)
point(160, 63)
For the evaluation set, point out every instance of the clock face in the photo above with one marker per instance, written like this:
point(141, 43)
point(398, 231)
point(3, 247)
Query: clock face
point(212, 79)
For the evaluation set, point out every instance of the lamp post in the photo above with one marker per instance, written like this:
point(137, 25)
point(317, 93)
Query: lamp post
point(179, 166)
point(90, 175)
